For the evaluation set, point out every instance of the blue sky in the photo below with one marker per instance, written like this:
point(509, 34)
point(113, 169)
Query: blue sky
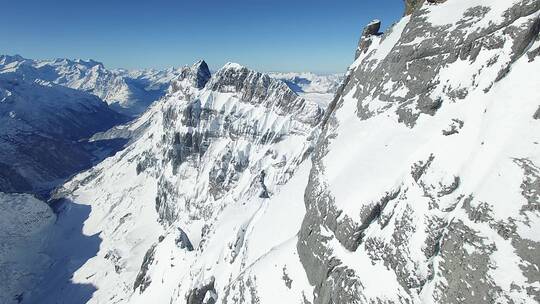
point(267, 35)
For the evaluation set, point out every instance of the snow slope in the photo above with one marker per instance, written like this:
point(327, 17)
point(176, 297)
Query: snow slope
point(309, 82)
point(26, 228)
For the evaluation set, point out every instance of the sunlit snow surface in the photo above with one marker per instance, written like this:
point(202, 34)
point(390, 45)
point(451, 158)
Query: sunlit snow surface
point(458, 184)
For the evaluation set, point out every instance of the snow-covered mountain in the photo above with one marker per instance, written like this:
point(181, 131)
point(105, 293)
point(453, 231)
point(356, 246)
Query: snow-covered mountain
point(310, 82)
point(419, 184)
point(129, 93)
point(187, 193)
point(425, 181)
point(317, 88)
point(43, 132)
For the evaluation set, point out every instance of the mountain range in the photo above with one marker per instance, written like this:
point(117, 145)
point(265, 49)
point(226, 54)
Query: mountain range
point(127, 92)
point(417, 181)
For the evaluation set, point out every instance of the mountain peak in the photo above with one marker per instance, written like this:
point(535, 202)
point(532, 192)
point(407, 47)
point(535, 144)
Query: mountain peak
point(233, 75)
point(199, 63)
point(90, 63)
point(372, 28)
point(194, 76)
point(202, 73)
point(232, 66)
point(259, 88)
point(7, 59)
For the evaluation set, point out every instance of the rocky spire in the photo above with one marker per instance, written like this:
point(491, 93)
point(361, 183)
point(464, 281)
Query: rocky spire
point(370, 30)
point(201, 72)
point(193, 77)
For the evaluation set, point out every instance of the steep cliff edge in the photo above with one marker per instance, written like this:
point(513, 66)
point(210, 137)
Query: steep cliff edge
point(425, 181)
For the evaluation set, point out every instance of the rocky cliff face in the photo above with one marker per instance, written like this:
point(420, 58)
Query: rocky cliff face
point(425, 179)
point(414, 5)
point(193, 202)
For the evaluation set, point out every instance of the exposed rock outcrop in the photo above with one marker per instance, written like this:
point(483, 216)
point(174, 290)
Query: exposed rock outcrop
point(401, 209)
point(372, 29)
point(203, 295)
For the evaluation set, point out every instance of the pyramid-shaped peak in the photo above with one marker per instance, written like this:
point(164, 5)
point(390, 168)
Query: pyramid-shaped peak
point(202, 73)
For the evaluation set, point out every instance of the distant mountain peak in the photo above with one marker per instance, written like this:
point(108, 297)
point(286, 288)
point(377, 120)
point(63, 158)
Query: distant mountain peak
point(202, 73)
point(127, 92)
point(191, 77)
point(233, 65)
point(6, 59)
point(89, 62)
